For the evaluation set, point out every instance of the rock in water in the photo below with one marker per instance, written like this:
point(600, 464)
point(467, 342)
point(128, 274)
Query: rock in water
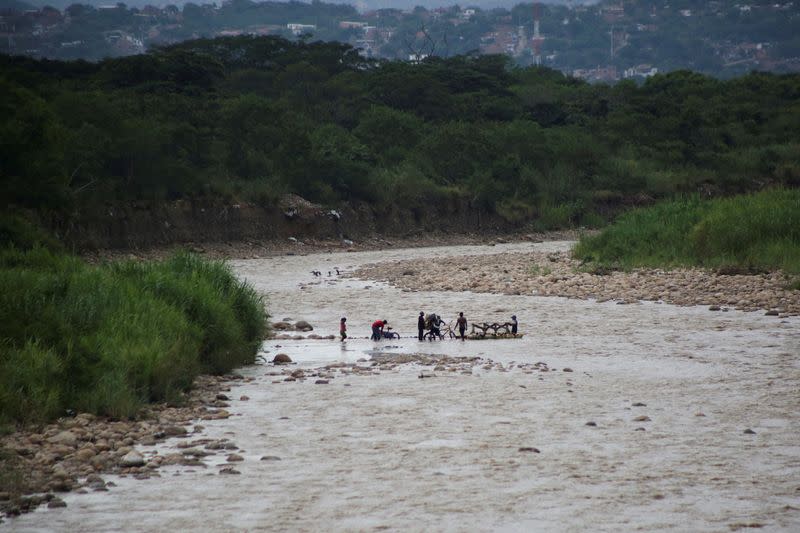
point(281, 359)
point(302, 325)
point(56, 503)
point(132, 458)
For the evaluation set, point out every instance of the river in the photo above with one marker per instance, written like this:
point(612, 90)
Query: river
point(669, 418)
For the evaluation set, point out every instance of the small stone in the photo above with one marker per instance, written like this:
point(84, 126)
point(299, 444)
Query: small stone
point(590, 423)
point(222, 397)
point(244, 398)
point(529, 449)
point(321, 382)
point(714, 308)
point(233, 458)
point(772, 312)
point(640, 404)
point(567, 370)
point(642, 418)
point(270, 458)
point(229, 470)
point(749, 431)
point(639, 429)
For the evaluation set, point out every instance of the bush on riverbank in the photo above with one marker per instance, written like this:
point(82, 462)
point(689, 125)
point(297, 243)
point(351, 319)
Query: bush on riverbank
point(107, 339)
point(747, 232)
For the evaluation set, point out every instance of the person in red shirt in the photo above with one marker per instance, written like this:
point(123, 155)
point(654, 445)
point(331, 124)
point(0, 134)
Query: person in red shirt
point(377, 329)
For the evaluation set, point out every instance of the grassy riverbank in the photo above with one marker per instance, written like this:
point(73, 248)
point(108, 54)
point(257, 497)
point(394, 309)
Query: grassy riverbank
point(748, 232)
point(107, 339)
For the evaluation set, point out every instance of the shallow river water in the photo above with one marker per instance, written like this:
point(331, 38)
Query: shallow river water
point(392, 451)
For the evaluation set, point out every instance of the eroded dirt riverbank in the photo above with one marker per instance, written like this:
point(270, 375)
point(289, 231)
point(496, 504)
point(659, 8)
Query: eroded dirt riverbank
point(605, 417)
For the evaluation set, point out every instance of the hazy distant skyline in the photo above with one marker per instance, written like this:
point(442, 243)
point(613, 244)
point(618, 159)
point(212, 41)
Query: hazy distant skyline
point(361, 5)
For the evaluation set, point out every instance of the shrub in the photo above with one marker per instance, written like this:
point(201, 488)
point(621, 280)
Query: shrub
point(751, 232)
point(20, 233)
point(108, 339)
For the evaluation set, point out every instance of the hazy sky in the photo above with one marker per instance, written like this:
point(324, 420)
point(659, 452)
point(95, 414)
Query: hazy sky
point(362, 5)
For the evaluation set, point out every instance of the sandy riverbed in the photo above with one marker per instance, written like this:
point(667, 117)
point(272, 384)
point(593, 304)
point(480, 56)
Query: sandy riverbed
point(668, 417)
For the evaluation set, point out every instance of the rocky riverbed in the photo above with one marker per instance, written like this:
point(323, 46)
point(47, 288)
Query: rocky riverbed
point(600, 417)
point(558, 274)
point(72, 454)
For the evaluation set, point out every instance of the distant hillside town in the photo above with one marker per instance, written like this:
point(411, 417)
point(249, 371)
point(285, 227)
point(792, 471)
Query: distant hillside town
point(605, 42)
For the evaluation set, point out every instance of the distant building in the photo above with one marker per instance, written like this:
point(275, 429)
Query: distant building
point(599, 74)
point(640, 71)
point(350, 25)
point(298, 29)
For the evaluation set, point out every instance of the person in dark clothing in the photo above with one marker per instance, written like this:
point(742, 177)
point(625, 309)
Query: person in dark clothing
point(421, 324)
point(461, 322)
point(514, 324)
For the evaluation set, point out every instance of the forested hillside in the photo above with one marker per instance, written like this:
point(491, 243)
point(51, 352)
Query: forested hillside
point(248, 119)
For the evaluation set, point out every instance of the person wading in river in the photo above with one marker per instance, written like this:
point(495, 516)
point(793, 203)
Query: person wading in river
point(421, 324)
point(343, 328)
point(377, 329)
point(461, 322)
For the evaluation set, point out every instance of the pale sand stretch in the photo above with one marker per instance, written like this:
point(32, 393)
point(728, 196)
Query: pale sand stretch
point(557, 274)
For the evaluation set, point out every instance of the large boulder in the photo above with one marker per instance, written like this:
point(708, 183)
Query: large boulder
point(282, 326)
point(65, 438)
point(132, 458)
point(302, 325)
point(281, 359)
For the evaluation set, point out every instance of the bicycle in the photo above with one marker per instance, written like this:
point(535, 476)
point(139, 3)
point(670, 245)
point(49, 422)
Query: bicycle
point(389, 334)
point(432, 335)
point(447, 331)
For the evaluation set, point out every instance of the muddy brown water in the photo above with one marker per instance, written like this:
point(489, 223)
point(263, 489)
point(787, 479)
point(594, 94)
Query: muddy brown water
point(393, 451)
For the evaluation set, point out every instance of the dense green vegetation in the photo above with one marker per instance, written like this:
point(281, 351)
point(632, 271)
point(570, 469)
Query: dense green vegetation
point(248, 119)
point(744, 233)
point(107, 339)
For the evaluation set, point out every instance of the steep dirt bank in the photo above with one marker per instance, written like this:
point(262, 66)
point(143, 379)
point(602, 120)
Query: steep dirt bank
point(142, 227)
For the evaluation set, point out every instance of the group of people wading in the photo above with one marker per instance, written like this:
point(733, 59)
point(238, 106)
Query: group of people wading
point(425, 323)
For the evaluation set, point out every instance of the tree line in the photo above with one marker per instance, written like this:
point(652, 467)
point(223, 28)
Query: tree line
point(249, 119)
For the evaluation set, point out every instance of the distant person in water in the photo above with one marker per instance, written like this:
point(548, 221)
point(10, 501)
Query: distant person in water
point(461, 322)
point(377, 329)
point(343, 328)
point(514, 324)
point(421, 324)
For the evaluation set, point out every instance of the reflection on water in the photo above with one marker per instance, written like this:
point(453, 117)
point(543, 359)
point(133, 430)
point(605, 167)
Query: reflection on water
point(669, 391)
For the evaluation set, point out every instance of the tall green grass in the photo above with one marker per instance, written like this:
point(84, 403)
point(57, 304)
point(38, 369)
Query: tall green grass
point(756, 231)
point(107, 339)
